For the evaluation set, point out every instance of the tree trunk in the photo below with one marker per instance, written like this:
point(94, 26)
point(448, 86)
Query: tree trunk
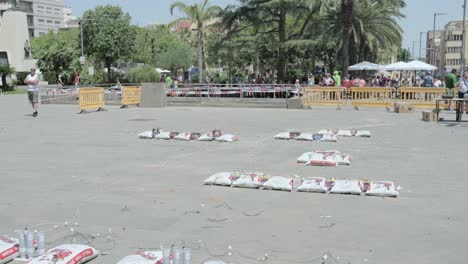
point(347, 15)
point(200, 54)
point(4, 87)
point(281, 66)
point(108, 65)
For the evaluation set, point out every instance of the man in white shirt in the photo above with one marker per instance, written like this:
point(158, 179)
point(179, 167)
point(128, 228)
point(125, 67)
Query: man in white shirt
point(463, 89)
point(32, 81)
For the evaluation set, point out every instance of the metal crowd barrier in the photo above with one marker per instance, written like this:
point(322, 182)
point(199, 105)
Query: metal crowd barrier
point(372, 97)
point(421, 97)
point(131, 95)
point(313, 96)
point(91, 98)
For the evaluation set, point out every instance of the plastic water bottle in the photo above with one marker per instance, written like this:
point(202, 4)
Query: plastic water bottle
point(40, 238)
point(166, 251)
point(30, 244)
point(177, 252)
point(22, 243)
point(187, 255)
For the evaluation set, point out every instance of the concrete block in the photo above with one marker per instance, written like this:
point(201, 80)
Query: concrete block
point(294, 103)
point(429, 116)
point(153, 95)
point(404, 108)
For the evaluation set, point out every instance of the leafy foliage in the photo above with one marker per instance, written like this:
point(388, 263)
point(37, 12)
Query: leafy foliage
point(146, 74)
point(5, 70)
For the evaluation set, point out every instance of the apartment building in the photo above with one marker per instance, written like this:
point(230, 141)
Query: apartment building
point(42, 15)
point(446, 53)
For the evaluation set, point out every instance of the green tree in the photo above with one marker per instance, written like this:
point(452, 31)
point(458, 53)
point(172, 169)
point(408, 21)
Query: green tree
point(57, 53)
point(177, 56)
point(145, 74)
point(108, 35)
point(404, 55)
point(198, 14)
point(5, 70)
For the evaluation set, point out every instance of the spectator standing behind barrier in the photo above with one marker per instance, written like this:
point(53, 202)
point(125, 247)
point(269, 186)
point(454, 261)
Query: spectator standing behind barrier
point(450, 82)
point(463, 89)
point(337, 79)
point(76, 81)
point(427, 80)
point(168, 82)
point(437, 83)
point(32, 81)
point(327, 80)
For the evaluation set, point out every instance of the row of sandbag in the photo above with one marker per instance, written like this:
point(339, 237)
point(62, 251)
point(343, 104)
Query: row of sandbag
point(66, 253)
point(78, 254)
point(328, 158)
point(326, 135)
point(215, 135)
point(257, 180)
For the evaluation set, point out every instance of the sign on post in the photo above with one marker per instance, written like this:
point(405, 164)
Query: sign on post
point(82, 60)
point(91, 71)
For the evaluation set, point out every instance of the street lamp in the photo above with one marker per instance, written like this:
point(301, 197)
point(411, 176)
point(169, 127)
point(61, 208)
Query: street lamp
point(433, 36)
point(463, 39)
point(420, 43)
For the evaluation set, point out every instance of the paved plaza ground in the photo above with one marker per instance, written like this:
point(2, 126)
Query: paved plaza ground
point(92, 170)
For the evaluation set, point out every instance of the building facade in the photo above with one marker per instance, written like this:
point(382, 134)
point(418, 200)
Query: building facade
point(446, 54)
point(42, 15)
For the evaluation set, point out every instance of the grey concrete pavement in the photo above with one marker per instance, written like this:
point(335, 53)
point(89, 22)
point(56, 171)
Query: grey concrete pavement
point(92, 170)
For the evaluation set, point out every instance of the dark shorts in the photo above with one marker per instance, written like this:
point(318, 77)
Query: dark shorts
point(461, 95)
point(33, 96)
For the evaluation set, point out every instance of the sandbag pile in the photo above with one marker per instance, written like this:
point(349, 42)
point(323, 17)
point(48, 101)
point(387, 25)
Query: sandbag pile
point(215, 135)
point(329, 158)
point(345, 133)
point(306, 137)
point(257, 180)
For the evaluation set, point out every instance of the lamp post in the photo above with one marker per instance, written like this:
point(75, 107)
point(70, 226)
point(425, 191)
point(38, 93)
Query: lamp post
point(420, 43)
point(433, 59)
point(463, 39)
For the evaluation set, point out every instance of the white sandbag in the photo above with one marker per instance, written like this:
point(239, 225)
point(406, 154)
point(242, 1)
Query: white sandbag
point(250, 180)
point(382, 188)
point(146, 135)
point(346, 187)
point(227, 138)
point(284, 136)
point(326, 132)
point(306, 137)
point(220, 177)
point(318, 159)
point(8, 249)
point(344, 133)
point(304, 158)
point(363, 133)
point(206, 137)
point(163, 136)
point(143, 257)
point(279, 183)
point(183, 136)
point(313, 184)
point(343, 159)
point(329, 138)
point(67, 254)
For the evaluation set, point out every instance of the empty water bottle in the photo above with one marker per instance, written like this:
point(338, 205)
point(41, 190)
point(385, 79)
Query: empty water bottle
point(30, 244)
point(177, 252)
point(187, 255)
point(40, 238)
point(22, 243)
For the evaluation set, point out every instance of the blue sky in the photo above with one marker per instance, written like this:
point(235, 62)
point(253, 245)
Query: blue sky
point(419, 13)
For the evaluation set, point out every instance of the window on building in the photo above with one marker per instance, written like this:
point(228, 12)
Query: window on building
point(49, 21)
point(41, 20)
point(49, 8)
point(57, 22)
point(49, 12)
point(40, 7)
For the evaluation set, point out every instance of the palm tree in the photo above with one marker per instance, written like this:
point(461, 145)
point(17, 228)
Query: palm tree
point(198, 14)
point(5, 70)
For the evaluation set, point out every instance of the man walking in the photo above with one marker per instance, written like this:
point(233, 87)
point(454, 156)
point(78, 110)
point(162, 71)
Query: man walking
point(450, 82)
point(32, 81)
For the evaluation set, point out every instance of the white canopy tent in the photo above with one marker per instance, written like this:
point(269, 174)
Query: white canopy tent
point(419, 66)
point(365, 66)
point(397, 66)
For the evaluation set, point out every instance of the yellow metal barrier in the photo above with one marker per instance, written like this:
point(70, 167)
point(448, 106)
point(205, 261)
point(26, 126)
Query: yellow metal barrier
point(422, 97)
point(91, 98)
point(313, 96)
point(131, 95)
point(372, 97)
